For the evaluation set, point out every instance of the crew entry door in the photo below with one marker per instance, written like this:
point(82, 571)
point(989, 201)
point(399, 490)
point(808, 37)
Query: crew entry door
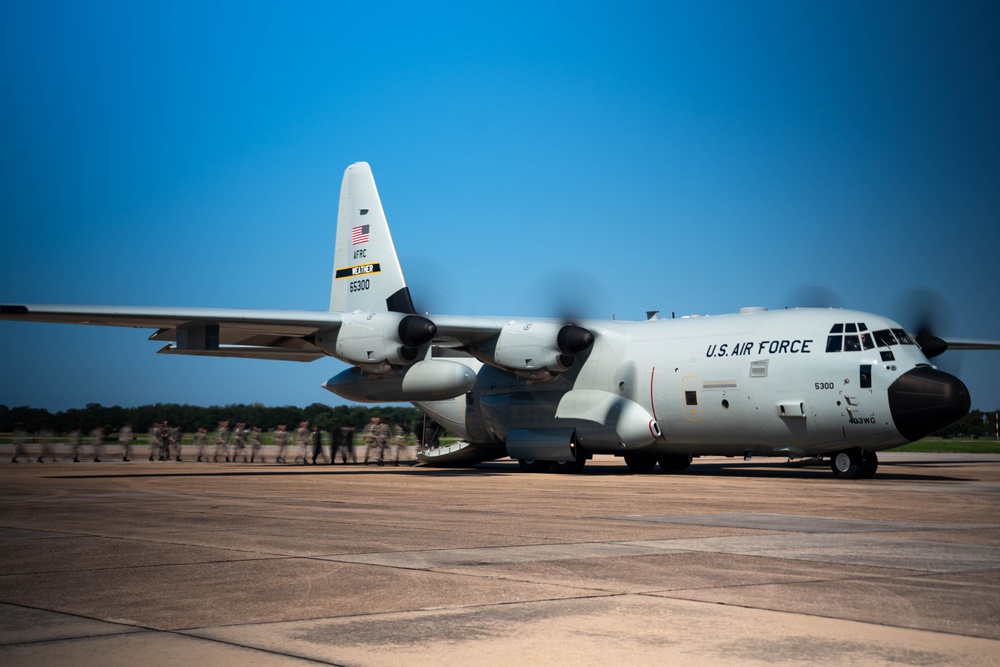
point(691, 397)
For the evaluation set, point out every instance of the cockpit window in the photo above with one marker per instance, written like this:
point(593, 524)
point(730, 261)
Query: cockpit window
point(884, 338)
point(857, 337)
point(902, 337)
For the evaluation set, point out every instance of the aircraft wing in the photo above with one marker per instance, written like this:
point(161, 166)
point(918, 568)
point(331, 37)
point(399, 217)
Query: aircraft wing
point(455, 331)
point(224, 332)
point(233, 332)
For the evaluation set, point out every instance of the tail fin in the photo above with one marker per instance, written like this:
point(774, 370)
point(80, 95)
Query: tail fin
point(366, 272)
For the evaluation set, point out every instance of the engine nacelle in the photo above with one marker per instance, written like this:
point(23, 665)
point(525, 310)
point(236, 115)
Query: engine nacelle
point(378, 343)
point(534, 350)
point(606, 420)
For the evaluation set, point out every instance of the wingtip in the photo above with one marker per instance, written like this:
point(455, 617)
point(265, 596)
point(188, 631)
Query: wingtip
point(13, 310)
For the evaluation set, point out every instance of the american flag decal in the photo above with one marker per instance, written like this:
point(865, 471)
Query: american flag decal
point(359, 234)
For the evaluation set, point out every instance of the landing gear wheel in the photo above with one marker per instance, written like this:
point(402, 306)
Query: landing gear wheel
point(573, 465)
point(640, 462)
point(674, 462)
point(569, 466)
point(530, 465)
point(869, 465)
point(847, 464)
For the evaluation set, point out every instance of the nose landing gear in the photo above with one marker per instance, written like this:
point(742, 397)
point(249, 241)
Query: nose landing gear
point(854, 463)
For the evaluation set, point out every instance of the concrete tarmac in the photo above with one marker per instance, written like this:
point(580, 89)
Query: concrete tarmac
point(751, 563)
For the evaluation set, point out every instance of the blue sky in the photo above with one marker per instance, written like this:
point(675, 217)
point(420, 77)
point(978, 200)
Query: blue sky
point(686, 157)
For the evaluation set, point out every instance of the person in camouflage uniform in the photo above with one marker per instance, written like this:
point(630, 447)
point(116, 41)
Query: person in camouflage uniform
point(281, 440)
point(376, 440)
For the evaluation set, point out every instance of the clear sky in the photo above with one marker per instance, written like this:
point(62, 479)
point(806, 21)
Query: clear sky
point(616, 156)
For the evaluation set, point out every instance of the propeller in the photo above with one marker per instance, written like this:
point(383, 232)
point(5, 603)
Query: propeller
point(426, 278)
point(924, 312)
point(927, 315)
point(569, 294)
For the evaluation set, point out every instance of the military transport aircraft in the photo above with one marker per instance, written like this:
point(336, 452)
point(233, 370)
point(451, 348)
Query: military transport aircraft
point(795, 383)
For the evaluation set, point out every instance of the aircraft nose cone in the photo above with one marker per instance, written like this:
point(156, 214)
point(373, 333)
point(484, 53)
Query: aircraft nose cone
point(925, 399)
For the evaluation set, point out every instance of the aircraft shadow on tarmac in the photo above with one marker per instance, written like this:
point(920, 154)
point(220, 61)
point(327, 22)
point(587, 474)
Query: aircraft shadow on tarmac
point(769, 470)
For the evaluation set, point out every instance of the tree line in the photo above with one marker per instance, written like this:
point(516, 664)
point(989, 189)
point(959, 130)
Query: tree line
point(191, 417)
point(976, 424)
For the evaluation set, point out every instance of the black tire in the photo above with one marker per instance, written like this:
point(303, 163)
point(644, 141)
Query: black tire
point(869, 465)
point(529, 465)
point(847, 464)
point(674, 462)
point(640, 462)
point(569, 466)
point(573, 465)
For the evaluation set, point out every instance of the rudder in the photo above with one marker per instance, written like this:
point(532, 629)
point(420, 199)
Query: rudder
point(366, 271)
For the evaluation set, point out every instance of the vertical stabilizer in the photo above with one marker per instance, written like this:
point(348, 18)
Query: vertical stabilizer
point(366, 271)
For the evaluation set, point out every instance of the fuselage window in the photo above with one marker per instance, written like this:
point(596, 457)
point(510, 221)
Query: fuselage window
point(690, 398)
point(834, 343)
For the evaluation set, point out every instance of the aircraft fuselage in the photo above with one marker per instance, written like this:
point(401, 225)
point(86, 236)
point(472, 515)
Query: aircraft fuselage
point(799, 382)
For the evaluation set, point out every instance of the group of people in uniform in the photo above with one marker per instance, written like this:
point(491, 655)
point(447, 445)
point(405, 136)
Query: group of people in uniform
point(239, 443)
point(46, 446)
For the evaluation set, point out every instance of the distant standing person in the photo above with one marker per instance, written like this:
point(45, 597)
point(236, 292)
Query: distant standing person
point(316, 438)
point(96, 442)
point(376, 440)
point(165, 441)
point(302, 436)
point(255, 444)
point(154, 441)
point(75, 443)
point(45, 445)
point(339, 444)
point(240, 441)
point(400, 441)
point(281, 440)
point(177, 440)
point(222, 441)
point(125, 440)
point(18, 436)
point(201, 441)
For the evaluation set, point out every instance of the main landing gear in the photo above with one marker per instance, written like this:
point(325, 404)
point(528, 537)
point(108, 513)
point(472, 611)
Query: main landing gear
point(854, 463)
point(572, 465)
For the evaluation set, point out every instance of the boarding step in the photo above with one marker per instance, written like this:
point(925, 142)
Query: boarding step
point(457, 454)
